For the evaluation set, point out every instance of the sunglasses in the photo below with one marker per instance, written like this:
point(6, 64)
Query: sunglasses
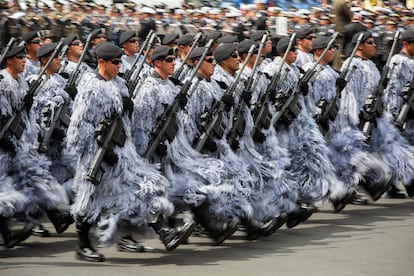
point(169, 59)
point(370, 42)
point(116, 61)
point(293, 49)
point(77, 43)
point(100, 36)
point(335, 47)
point(235, 55)
point(20, 55)
point(210, 60)
point(37, 41)
point(133, 40)
point(310, 37)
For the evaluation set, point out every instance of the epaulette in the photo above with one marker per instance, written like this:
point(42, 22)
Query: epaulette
point(175, 81)
point(222, 84)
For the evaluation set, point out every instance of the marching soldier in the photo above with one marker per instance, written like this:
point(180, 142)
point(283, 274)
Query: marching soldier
point(130, 44)
point(33, 41)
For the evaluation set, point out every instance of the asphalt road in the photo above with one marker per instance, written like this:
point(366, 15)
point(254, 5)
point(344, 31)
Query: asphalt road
point(377, 239)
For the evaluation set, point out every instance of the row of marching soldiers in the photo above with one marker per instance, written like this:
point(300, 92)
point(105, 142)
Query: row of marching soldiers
point(134, 138)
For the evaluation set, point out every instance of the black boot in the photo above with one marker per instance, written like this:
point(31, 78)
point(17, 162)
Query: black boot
point(218, 230)
point(340, 203)
point(256, 229)
point(172, 237)
point(11, 239)
point(60, 220)
point(395, 192)
point(376, 190)
point(85, 251)
point(129, 244)
point(304, 212)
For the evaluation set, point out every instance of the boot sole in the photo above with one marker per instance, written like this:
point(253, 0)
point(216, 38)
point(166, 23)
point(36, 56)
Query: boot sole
point(185, 235)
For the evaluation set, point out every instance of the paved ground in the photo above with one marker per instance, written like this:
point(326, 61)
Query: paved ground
point(362, 240)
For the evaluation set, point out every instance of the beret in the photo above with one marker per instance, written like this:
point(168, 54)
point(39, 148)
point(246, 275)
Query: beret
point(46, 49)
point(213, 35)
point(161, 51)
point(245, 45)
point(68, 40)
point(320, 42)
point(223, 51)
point(303, 32)
point(408, 36)
point(185, 39)
point(256, 36)
point(169, 38)
point(227, 39)
point(366, 35)
point(14, 50)
point(108, 50)
point(283, 43)
point(30, 35)
point(198, 52)
point(125, 36)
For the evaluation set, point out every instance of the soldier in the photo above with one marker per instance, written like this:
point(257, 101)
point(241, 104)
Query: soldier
point(97, 38)
point(304, 38)
point(184, 43)
point(130, 191)
point(73, 55)
point(33, 41)
point(130, 45)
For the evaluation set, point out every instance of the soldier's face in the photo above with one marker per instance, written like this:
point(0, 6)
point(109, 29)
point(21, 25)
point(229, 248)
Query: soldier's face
point(168, 64)
point(292, 55)
point(34, 45)
point(131, 46)
point(17, 62)
point(368, 48)
point(112, 66)
point(76, 48)
point(207, 67)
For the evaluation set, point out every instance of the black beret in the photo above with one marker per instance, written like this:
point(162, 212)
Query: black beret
point(283, 43)
point(227, 39)
point(213, 35)
point(185, 39)
point(96, 32)
point(408, 36)
point(14, 51)
point(108, 50)
point(169, 38)
point(303, 32)
point(256, 36)
point(366, 35)
point(30, 35)
point(245, 45)
point(320, 42)
point(198, 52)
point(46, 49)
point(68, 40)
point(223, 51)
point(161, 52)
point(125, 36)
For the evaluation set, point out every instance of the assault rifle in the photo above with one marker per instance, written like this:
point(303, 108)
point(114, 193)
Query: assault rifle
point(213, 124)
point(15, 124)
point(329, 109)
point(239, 122)
point(6, 50)
point(408, 96)
point(180, 69)
point(167, 128)
point(373, 104)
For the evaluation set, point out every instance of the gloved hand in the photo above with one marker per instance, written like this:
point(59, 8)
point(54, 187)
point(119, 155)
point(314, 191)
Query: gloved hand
point(7, 144)
point(182, 99)
point(64, 75)
point(72, 91)
point(246, 96)
point(304, 88)
point(259, 137)
point(210, 145)
point(111, 158)
point(228, 101)
point(235, 145)
point(28, 101)
point(341, 83)
point(58, 134)
point(272, 96)
point(161, 149)
point(128, 105)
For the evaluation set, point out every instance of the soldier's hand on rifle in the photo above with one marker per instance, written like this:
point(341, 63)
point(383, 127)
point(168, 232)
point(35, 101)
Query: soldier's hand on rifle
point(272, 96)
point(210, 145)
point(235, 145)
point(128, 105)
point(161, 149)
point(110, 157)
point(304, 88)
point(7, 144)
point(72, 91)
point(341, 83)
point(259, 137)
point(182, 99)
point(246, 96)
point(58, 134)
point(228, 100)
point(28, 101)
point(367, 116)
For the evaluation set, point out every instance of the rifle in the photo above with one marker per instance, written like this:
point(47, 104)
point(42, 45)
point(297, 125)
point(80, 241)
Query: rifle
point(179, 71)
point(373, 104)
point(167, 128)
point(15, 124)
point(6, 50)
point(239, 123)
point(330, 109)
point(408, 96)
point(213, 122)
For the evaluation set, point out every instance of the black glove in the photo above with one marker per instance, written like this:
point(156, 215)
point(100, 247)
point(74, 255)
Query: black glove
point(210, 145)
point(58, 134)
point(110, 157)
point(161, 149)
point(7, 144)
point(72, 91)
point(182, 99)
point(228, 100)
point(235, 145)
point(28, 101)
point(304, 88)
point(127, 104)
point(272, 96)
point(175, 81)
point(64, 75)
point(341, 83)
point(259, 137)
point(366, 116)
point(246, 96)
